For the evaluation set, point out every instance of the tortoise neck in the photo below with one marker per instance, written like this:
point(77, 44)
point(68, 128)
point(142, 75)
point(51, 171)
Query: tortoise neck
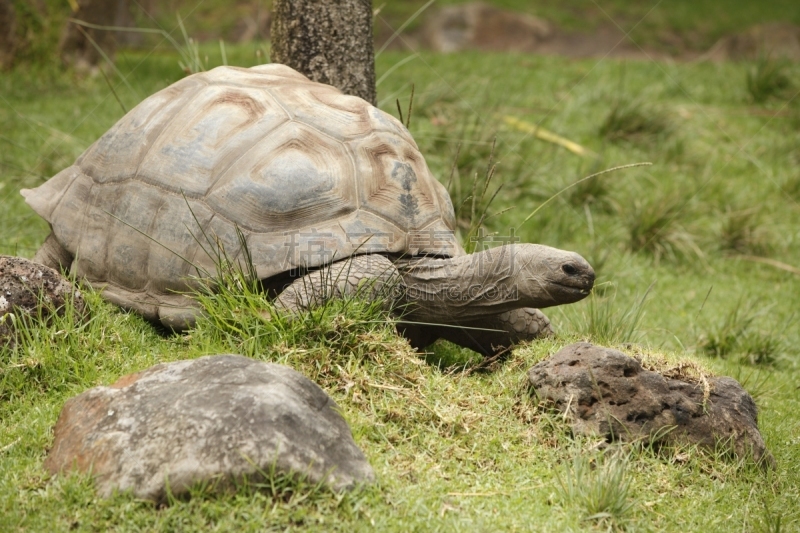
point(461, 288)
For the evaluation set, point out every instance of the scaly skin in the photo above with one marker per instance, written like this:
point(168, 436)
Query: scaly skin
point(511, 328)
point(366, 276)
point(53, 255)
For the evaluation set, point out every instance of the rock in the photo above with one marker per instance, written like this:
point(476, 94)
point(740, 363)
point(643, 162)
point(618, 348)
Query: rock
point(221, 419)
point(776, 39)
point(480, 26)
point(25, 285)
point(611, 395)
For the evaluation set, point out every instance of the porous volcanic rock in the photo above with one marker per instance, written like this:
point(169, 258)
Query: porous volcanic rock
point(26, 286)
point(611, 395)
point(220, 419)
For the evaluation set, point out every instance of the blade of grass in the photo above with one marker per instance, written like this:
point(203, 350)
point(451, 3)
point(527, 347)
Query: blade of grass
point(395, 67)
point(771, 262)
point(108, 60)
point(553, 197)
point(548, 136)
point(410, 107)
point(403, 26)
point(114, 92)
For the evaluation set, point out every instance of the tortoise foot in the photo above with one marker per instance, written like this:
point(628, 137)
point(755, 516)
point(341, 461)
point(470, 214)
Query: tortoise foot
point(510, 328)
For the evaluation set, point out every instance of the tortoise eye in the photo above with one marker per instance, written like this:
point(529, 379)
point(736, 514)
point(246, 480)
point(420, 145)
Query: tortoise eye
point(569, 269)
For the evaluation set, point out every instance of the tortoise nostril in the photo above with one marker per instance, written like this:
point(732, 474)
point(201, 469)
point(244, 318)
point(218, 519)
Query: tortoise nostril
point(569, 269)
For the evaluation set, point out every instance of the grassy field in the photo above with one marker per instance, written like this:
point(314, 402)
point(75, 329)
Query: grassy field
point(697, 258)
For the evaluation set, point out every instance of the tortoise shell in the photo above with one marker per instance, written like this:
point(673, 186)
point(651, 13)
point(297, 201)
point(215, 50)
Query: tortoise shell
point(307, 174)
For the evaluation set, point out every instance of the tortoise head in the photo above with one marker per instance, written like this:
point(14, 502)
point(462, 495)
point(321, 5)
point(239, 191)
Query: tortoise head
point(548, 276)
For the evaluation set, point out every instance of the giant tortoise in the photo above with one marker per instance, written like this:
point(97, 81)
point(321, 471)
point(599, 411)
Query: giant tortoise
point(325, 191)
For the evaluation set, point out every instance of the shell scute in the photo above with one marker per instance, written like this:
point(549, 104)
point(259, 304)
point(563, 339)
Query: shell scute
point(399, 189)
point(309, 104)
point(384, 122)
point(117, 154)
point(216, 128)
point(258, 76)
point(293, 178)
point(369, 233)
point(180, 238)
point(68, 206)
point(130, 213)
point(92, 235)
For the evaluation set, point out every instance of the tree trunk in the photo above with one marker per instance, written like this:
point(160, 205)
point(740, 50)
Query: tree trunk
point(76, 48)
point(330, 41)
point(8, 33)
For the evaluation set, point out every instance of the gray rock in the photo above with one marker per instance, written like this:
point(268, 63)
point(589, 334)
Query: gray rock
point(219, 419)
point(611, 395)
point(25, 286)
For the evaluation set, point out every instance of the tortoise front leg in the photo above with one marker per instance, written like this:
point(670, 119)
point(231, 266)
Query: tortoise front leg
point(52, 254)
point(365, 276)
point(515, 326)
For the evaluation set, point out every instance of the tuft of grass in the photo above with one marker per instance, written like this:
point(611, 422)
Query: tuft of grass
point(761, 347)
point(768, 78)
point(654, 226)
point(606, 323)
point(737, 333)
point(600, 486)
point(337, 331)
point(592, 192)
point(190, 61)
point(474, 187)
point(741, 232)
point(769, 519)
point(292, 490)
point(478, 203)
point(22, 322)
point(450, 357)
point(66, 351)
point(635, 121)
point(791, 185)
point(722, 338)
point(279, 498)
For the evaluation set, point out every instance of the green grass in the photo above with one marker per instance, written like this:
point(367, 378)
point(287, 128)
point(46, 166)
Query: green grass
point(768, 78)
point(456, 449)
point(606, 322)
point(600, 487)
